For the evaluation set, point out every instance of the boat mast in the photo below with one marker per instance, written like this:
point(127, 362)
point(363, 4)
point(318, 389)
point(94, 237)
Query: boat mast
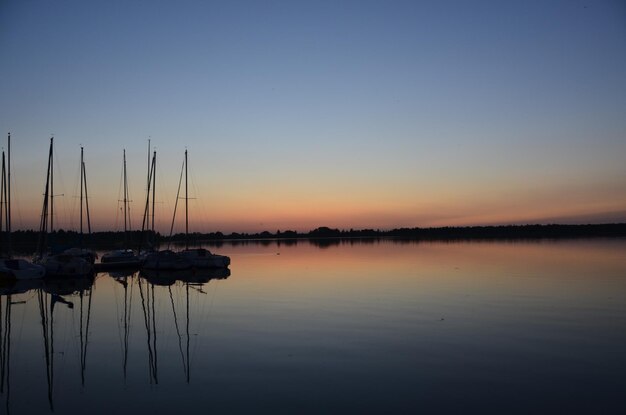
point(145, 222)
point(186, 205)
point(149, 166)
point(125, 201)
point(3, 196)
point(43, 227)
point(153, 190)
point(180, 182)
point(8, 201)
point(51, 173)
point(81, 196)
point(86, 196)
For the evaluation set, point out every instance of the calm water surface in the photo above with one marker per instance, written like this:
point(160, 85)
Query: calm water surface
point(526, 327)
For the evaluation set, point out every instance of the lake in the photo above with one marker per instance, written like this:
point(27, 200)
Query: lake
point(347, 327)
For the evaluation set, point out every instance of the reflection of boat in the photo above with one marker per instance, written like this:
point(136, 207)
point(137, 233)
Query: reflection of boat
point(5, 348)
point(202, 276)
point(189, 280)
point(122, 273)
point(147, 300)
point(122, 257)
point(64, 286)
point(195, 276)
point(125, 279)
point(11, 287)
point(62, 265)
point(52, 292)
point(160, 277)
point(18, 269)
point(53, 286)
point(147, 305)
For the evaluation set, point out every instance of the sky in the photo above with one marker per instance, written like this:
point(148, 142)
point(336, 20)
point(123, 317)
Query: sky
point(299, 114)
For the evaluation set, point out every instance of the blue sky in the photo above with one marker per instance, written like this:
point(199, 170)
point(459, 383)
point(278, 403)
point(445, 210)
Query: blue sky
point(348, 114)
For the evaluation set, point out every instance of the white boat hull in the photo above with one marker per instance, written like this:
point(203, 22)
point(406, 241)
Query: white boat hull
point(21, 269)
point(166, 260)
point(203, 258)
point(66, 266)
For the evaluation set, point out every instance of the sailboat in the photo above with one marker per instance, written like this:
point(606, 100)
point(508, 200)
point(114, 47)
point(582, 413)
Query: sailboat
point(199, 257)
point(123, 257)
point(65, 264)
point(164, 260)
point(86, 254)
point(151, 190)
point(10, 268)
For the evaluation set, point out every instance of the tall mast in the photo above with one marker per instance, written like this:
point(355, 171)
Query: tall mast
point(8, 201)
point(145, 224)
point(125, 200)
point(186, 205)
point(153, 187)
point(86, 197)
point(149, 166)
point(81, 195)
point(3, 192)
point(50, 166)
point(43, 228)
point(180, 181)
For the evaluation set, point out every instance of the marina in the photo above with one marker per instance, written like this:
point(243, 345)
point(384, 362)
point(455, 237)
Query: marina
point(312, 207)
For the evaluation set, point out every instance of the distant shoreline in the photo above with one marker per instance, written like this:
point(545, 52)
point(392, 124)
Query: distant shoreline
point(26, 241)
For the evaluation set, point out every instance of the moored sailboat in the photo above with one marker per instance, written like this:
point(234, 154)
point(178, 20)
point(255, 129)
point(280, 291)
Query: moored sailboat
point(164, 260)
point(81, 252)
point(199, 257)
point(122, 258)
point(59, 265)
point(12, 268)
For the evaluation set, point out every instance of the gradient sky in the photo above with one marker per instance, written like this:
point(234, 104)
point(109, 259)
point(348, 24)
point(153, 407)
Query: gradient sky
point(302, 114)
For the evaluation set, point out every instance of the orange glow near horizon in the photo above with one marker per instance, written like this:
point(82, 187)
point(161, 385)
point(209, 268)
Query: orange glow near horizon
point(288, 128)
point(271, 199)
point(239, 214)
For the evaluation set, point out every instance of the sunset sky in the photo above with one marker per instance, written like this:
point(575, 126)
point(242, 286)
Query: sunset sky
point(349, 114)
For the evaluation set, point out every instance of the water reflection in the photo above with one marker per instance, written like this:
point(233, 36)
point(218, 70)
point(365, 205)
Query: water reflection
point(74, 296)
point(123, 278)
point(355, 327)
point(5, 347)
point(49, 293)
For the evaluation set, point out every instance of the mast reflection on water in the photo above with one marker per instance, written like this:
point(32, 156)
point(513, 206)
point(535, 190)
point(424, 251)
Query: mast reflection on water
point(75, 295)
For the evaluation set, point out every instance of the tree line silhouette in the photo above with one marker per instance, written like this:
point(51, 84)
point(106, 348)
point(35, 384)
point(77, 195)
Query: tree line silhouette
point(26, 240)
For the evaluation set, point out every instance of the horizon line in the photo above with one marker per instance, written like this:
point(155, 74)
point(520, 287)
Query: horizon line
point(328, 228)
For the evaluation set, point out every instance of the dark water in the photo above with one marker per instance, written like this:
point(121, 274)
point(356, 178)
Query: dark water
point(533, 327)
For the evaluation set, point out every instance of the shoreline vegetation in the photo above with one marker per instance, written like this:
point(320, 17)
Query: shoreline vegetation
point(25, 241)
